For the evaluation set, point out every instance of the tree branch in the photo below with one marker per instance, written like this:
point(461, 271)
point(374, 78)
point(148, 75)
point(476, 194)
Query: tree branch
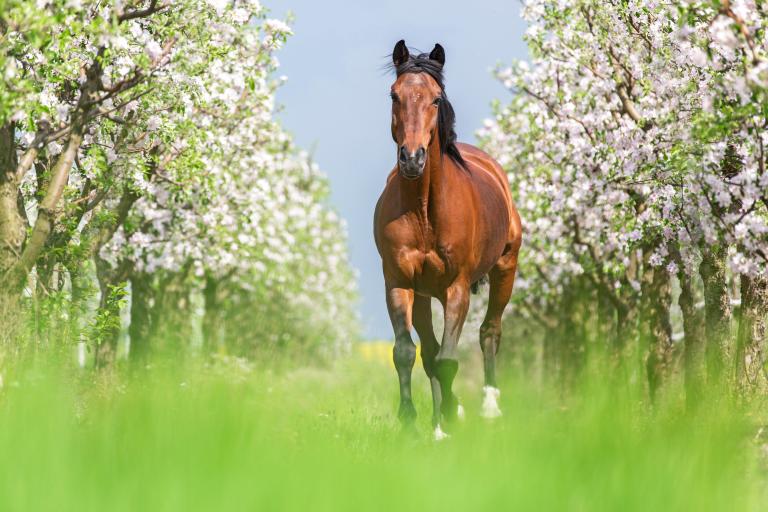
point(600, 280)
point(46, 210)
point(133, 14)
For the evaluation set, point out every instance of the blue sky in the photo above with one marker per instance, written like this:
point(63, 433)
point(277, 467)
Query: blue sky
point(336, 101)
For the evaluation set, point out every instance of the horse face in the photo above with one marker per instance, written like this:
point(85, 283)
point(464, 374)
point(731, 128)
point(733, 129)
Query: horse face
point(415, 102)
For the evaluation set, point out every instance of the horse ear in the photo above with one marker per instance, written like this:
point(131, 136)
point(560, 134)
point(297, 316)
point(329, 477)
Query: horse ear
point(400, 53)
point(438, 54)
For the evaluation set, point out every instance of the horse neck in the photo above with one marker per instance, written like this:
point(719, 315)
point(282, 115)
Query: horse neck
point(431, 183)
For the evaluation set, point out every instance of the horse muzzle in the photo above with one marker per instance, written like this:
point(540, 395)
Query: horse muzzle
point(411, 165)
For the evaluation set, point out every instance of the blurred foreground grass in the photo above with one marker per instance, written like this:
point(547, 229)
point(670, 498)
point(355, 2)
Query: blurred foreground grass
point(235, 437)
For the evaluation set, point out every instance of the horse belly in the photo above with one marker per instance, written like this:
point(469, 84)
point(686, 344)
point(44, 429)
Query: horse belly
point(498, 237)
point(490, 256)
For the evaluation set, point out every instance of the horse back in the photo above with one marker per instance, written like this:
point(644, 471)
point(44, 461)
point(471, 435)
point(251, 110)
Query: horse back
point(493, 188)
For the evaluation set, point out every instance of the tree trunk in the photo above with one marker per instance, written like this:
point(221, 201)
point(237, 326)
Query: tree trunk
point(657, 296)
point(108, 324)
point(12, 220)
point(107, 337)
point(172, 313)
point(46, 209)
point(12, 229)
point(750, 351)
point(694, 357)
point(15, 276)
point(213, 335)
point(140, 330)
point(606, 320)
point(81, 280)
point(717, 310)
point(626, 326)
point(572, 345)
point(550, 345)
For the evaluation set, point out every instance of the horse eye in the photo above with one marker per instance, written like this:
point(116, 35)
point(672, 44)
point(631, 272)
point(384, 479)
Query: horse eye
point(437, 101)
point(394, 96)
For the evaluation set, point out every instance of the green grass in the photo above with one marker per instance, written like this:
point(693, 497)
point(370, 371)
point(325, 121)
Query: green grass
point(225, 438)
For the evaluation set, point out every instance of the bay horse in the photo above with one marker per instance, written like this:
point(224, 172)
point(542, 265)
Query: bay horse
point(444, 221)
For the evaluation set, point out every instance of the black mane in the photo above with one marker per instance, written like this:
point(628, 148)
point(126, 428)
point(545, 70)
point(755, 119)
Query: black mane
point(446, 117)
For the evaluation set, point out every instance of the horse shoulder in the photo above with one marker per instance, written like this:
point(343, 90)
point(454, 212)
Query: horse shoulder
point(395, 228)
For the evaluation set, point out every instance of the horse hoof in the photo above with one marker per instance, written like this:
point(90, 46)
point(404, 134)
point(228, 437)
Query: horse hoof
point(460, 412)
point(490, 409)
point(439, 434)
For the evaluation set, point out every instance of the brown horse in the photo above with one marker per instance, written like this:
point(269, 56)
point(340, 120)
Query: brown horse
point(444, 221)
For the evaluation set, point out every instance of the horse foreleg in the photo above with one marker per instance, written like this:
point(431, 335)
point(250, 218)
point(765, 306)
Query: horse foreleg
point(399, 303)
point(456, 304)
point(502, 280)
point(422, 321)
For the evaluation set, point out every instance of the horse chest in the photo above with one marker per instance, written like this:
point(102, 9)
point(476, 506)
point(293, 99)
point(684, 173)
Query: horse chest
point(431, 275)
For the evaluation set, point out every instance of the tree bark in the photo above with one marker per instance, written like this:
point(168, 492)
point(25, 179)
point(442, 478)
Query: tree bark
point(750, 348)
point(108, 316)
point(12, 220)
point(550, 345)
point(657, 296)
point(717, 310)
point(627, 330)
point(213, 328)
point(13, 278)
point(46, 210)
point(141, 328)
point(606, 320)
point(172, 312)
point(572, 339)
point(693, 327)
point(82, 288)
point(109, 277)
point(12, 229)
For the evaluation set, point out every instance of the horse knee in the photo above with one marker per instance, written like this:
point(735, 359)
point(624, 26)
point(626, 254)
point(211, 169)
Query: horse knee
point(404, 354)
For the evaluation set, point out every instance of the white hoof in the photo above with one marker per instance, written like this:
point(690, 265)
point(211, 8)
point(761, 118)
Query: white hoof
point(460, 412)
point(439, 434)
point(490, 407)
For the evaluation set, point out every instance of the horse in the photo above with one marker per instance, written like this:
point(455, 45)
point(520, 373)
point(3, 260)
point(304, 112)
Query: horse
point(444, 222)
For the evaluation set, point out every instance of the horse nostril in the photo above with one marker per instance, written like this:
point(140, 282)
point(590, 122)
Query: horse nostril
point(403, 155)
point(420, 156)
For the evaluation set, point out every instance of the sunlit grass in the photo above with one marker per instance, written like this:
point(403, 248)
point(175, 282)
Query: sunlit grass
point(234, 438)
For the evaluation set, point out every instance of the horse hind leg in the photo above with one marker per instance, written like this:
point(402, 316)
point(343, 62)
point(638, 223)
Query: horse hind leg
point(502, 280)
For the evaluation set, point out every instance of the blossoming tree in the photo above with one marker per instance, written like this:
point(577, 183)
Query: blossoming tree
point(635, 143)
point(140, 135)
